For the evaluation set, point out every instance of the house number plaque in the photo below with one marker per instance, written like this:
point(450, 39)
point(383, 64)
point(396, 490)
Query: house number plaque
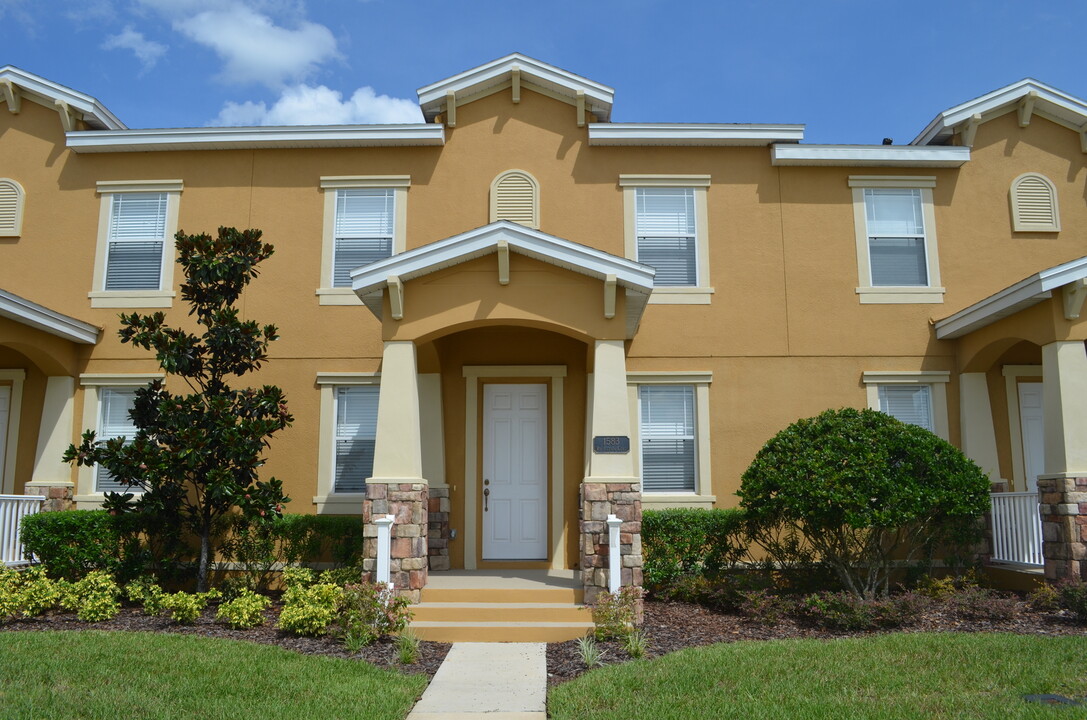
point(611, 444)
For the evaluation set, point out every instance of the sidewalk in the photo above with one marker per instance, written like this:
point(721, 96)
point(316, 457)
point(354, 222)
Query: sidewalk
point(496, 681)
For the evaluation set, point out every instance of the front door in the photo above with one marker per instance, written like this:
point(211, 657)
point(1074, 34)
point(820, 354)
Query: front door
point(514, 472)
point(1032, 422)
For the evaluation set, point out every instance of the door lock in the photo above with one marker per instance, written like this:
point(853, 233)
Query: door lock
point(486, 494)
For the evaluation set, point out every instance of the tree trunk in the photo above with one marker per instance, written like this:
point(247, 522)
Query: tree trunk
point(205, 546)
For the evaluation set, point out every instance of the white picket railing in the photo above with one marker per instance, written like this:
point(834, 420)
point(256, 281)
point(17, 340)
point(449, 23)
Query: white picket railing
point(13, 508)
point(1017, 528)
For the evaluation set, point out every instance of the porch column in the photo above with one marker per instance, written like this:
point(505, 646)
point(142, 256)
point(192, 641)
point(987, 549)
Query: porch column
point(1063, 489)
point(52, 478)
point(611, 487)
point(976, 415)
point(397, 487)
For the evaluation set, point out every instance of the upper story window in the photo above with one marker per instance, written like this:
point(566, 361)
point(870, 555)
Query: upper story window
point(1034, 204)
point(134, 265)
point(896, 240)
point(365, 220)
point(515, 196)
point(666, 219)
point(12, 199)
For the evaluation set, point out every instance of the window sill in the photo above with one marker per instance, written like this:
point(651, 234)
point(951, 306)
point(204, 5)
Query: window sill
point(339, 504)
point(337, 296)
point(662, 501)
point(681, 296)
point(900, 295)
point(131, 298)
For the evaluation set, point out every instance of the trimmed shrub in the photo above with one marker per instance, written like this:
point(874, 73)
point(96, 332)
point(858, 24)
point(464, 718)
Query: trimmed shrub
point(185, 608)
point(97, 597)
point(686, 541)
point(1073, 598)
point(309, 610)
point(245, 611)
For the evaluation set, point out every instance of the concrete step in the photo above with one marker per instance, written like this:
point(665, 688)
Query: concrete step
point(450, 631)
point(502, 595)
point(501, 612)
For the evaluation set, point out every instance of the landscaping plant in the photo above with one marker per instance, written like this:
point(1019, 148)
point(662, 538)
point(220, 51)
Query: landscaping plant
point(407, 648)
point(683, 542)
point(369, 611)
point(614, 614)
point(245, 611)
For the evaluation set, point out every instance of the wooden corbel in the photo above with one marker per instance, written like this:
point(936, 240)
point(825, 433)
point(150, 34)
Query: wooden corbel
point(67, 118)
point(1026, 108)
point(515, 83)
point(396, 297)
point(451, 109)
point(609, 296)
point(11, 95)
point(503, 262)
point(1074, 294)
point(970, 129)
point(581, 108)
point(1083, 138)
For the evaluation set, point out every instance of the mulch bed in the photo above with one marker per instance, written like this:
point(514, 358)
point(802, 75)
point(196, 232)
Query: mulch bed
point(672, 626)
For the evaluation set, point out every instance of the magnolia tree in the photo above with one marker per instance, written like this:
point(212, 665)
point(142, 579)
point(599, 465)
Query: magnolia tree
point(195, 456)
point(860, 492)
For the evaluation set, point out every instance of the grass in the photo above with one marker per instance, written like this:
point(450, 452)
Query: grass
point(887, 677)
point(145, 675)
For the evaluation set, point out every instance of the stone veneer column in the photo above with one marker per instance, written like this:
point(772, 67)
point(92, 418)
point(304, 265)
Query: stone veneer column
point(58, 495)
point(1064, 527)
point(438, 528)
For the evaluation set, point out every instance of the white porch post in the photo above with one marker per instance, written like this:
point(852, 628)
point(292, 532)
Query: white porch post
point(610, 413)
point(52, 478)
point(1064, 395)
point(398, 447)
point(976, 415)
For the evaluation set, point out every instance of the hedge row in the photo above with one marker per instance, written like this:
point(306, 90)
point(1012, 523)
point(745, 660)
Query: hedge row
point(689, 541)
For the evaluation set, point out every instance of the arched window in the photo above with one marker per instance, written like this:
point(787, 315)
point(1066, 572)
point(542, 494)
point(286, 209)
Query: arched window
point(515, 196)
point(1034, 204)
point(12, 198)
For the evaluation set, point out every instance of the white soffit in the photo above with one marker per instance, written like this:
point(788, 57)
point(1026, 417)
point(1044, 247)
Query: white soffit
point(48, 93)
point(1010, 300)
point(234, 138)
point(696, 134)
point(1048, 101)
point(870, 155)
point(478, 80)
point(42, 318)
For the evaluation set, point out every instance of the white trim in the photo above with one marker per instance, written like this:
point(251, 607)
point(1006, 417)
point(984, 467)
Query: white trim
point(42, 318)
point(892, 181)
point(869, 156)
point(365, 181)
point(317, 136)
point(132, 186)
point(693, 134)
point(1012, 299)
point(327, 501)
point(17, 378)
point(936, 380)
point(626, 180)
point(1011, 374)
point(118, 380)
point(37, 88)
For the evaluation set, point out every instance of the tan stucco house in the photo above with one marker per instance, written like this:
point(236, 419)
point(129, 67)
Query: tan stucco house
point(509, 321)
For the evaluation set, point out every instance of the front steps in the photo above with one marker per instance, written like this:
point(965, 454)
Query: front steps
point(479, 608)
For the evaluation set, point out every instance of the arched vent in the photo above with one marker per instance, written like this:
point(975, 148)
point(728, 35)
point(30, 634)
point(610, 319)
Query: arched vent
point(515, 196)
point(11, 208)
point(1034, 204)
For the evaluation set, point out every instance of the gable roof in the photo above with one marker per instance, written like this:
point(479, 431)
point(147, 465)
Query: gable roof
point(48, 93)
point(369, 281)
point(42, 318)
point(1046, 101)
point(489, 76)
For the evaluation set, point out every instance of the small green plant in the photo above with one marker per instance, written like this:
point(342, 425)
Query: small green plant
point(309, 610)
point(245, 611)
point(185, 608)
point(407, 647)
point(147, 593)
point(98, 596)
point(369, 611)
point(839, 611)
point(635, 644)
point(340, 576)
point(764, 607)
point(297, 577)
point(614, 613)
point(1073, 598)
point(9, 594)
point(590, 652)
point(1044, 598)
point(37, 592)
point(976, 603)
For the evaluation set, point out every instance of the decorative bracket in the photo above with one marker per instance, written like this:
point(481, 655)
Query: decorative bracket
point(581, 108)
point(451, 109)
point(609, 296)
point(1083, 138)
point(1026, 108)
point(503, 262)
point(1075, 293)
point(11, 96)
point(515, 83)
point(969, 129)
point(396, 297)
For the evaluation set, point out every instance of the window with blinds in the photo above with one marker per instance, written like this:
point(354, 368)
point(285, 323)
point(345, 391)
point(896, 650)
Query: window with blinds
point(896, 237)
point(665, 229)
point(356, 430)
point(114, 421)
point(515, 196)
point(667, 432)
point(1034, 204)
point(137, 237)
point(908, 403)
point(11, 208)
point(363, 231)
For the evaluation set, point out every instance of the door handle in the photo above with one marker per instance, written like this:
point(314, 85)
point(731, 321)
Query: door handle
point(486, 494)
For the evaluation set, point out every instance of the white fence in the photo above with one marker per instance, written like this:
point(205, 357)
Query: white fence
point(1017, 528)
point(13, 508)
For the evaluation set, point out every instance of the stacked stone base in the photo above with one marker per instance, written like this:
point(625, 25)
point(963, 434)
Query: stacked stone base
point(408, 503)
point(598, 500)
point(438, 529)
point(1064, 527)
point(58, 495)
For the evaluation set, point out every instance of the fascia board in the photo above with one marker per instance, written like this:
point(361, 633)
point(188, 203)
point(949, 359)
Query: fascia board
point(42, 318)
point(870, 155)
point(698, 134)
point(249, 137)
point(76, 100)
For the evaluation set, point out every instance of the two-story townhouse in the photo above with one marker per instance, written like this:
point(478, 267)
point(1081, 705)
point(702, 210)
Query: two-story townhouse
point(504, 323)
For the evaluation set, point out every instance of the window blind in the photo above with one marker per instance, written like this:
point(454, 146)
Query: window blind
point(665, 230)
point(137, 234)
point(10, 207)
point(667, 438)
point(356, 430)
point(363, 230)
point(896, 237)
point(908, 403)
point(114, 422)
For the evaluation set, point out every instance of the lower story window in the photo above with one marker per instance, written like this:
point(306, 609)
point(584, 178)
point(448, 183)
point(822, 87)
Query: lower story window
point(915, 397)
point(115, 404)
point(667, 430)
point(356, 430)
point(908, 403)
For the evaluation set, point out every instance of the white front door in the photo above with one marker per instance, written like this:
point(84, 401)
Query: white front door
point(1032, 423)
point(5, 411)
point(514, 472)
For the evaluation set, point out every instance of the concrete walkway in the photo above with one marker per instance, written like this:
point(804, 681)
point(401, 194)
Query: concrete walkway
point(496, 681)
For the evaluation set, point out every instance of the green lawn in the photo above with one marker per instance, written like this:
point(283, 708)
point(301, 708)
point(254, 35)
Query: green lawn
point(907, 676)
point(143, 675)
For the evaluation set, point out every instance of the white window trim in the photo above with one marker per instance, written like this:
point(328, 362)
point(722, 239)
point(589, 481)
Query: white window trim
point(699, 295)
point(164, 296)
point(869, 294)
point(1012, 374)
point(326, 293)
point(93, 383)
point(15, 380)
point(703, 495)
point(327, 501)
point(20, 206)
point(936, 380)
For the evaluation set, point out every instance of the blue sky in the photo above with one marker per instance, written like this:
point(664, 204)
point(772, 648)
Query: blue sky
point(853, 71)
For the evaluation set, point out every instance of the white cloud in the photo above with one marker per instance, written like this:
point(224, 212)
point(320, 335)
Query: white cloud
point(309, 105)
point(147, 51)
